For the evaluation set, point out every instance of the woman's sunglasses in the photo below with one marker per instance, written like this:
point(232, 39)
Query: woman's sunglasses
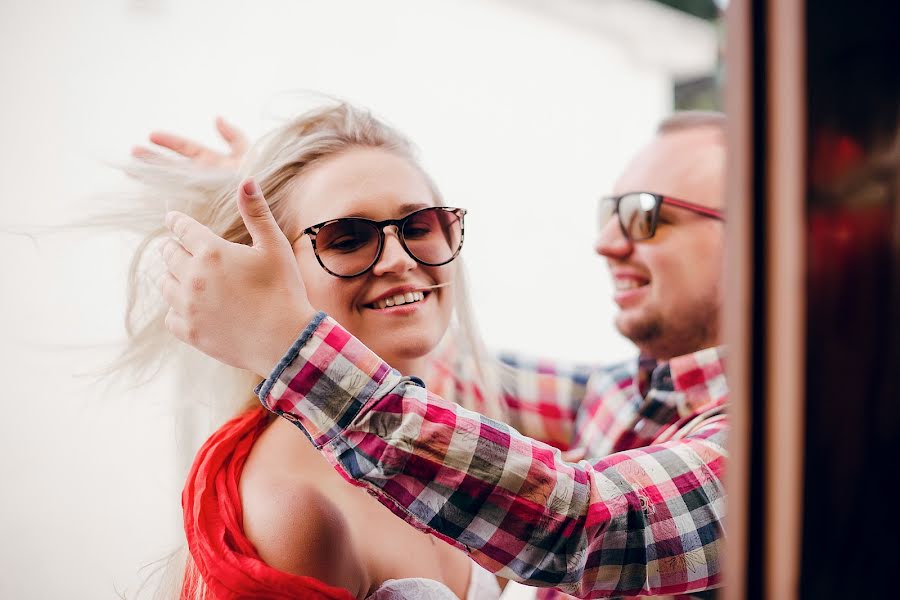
point(350, 246)
point(638, 212)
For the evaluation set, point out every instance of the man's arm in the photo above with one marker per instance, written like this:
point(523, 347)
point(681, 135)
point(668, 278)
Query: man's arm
point(543, 397)
point(538, 397)
point(646, 521)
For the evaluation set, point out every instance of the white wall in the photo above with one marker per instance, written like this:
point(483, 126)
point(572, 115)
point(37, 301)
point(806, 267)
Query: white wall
point(520, 118)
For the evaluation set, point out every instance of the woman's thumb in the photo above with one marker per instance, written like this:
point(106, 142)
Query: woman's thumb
point(256, 214)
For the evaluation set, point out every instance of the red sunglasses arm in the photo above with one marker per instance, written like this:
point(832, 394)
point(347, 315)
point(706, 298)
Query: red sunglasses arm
point(703, 210)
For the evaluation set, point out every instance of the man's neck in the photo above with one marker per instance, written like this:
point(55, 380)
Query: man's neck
point(666, 354)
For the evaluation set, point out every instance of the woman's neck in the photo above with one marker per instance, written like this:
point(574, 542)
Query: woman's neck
point(417, 367)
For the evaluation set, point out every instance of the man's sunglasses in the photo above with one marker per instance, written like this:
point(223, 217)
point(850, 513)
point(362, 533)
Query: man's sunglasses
point(350, 246)
point(638, 212)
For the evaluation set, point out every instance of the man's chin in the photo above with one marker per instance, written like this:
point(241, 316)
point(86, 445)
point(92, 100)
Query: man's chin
point(640, 329)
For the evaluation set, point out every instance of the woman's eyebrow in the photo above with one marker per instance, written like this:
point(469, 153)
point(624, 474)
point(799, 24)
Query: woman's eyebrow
point(402, 210)
point(413, 206)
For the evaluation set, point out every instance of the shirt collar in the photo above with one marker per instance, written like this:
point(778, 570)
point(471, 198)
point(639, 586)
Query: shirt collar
point(698, 376)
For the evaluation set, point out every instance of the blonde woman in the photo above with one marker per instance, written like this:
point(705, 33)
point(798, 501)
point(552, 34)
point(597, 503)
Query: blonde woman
point(265, 515)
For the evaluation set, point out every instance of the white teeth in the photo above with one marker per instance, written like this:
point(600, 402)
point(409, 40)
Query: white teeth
point(627, 284)
point(399, 299)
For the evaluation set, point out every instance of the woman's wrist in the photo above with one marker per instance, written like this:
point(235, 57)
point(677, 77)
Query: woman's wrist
point(280, 342)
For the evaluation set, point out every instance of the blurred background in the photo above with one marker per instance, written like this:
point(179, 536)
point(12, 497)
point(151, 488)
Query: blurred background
point(524, 112)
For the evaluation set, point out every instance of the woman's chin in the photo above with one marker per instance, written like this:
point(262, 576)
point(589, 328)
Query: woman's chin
point(408, 355)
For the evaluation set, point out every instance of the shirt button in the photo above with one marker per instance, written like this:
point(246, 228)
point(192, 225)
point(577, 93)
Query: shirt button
point(291, 417)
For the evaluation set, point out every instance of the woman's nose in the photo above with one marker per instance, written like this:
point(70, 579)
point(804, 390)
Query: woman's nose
point(394, 258)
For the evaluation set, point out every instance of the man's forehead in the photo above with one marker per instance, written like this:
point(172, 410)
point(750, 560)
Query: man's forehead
point(687, 164)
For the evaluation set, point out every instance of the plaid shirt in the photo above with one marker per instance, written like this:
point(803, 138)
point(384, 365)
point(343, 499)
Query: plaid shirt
point(642, 516)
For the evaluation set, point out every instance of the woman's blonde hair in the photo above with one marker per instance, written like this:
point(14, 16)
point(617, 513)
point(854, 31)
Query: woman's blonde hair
point(208, 195)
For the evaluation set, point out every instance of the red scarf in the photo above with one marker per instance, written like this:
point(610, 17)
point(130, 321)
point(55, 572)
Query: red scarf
point(223, 558)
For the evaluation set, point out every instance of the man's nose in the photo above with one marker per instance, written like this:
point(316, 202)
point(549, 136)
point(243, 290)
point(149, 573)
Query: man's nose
point(611, 242)
point(394, 258)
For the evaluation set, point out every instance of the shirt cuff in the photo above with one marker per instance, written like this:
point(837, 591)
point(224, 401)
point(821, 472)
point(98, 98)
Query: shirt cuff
point(325, 381)
point(262, 390)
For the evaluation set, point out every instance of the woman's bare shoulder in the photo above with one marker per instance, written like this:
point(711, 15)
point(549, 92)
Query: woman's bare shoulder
point(291, 521)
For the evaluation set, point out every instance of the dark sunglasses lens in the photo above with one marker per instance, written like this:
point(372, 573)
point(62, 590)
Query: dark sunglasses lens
point(636, 212)
point(606, 209)
point(348, 246)
point(433, 236)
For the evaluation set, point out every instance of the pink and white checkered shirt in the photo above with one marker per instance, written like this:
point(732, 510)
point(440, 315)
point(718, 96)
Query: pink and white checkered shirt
point(642, 515)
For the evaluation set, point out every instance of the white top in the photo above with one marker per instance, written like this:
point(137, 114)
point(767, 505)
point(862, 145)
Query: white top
point(482, 586)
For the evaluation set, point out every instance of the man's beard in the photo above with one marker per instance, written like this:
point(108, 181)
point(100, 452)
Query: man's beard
point(663, 339)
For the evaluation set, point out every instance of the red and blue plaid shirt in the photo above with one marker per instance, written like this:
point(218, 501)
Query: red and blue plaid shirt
point(641, 515)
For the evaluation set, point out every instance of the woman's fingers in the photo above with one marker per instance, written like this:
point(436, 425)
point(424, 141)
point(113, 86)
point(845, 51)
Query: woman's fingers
point(195, 152)
point(180, 145)
point(142, 153)
point(233, 136)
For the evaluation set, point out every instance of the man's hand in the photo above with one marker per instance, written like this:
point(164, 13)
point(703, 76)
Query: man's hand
point(242, 305)
point(197, 153)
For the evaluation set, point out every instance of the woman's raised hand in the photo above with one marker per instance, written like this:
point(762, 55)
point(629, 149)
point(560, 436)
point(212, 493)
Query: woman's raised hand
point(242, 305)
point(197, 153)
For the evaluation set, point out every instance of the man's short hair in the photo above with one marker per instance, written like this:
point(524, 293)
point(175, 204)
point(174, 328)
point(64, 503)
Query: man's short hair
point(691, 119)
